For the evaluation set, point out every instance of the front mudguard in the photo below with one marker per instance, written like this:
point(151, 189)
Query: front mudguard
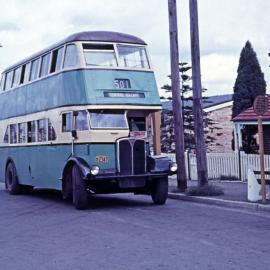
point(82, 165)
point(159, 163)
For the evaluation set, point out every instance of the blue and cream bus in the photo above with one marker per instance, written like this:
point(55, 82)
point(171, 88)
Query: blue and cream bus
point(78, 117)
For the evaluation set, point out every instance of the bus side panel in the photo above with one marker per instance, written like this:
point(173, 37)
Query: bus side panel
point(46, 165)
point(101, 154)
point(42, 166)
point(66, 88)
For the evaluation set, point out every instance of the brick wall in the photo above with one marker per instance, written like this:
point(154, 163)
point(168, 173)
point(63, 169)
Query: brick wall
point(223, 136)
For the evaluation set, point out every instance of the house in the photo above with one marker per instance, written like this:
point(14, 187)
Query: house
point(250, 118)
point(219, 110)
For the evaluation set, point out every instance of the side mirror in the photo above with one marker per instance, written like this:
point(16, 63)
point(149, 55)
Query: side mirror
point(74, 134)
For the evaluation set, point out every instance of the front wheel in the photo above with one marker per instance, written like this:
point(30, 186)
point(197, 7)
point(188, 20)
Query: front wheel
point(80, 198)
point(159, 191)
point(11, 180)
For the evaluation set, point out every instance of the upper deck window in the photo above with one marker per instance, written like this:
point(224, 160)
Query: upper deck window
point(2, 81)
point(26, 72)
point(8, 81)
point(16, 77)
point(45, 61)
point(34, 70)
point(132, 56)
point(104, 119)
point(71, 57)
point(99, 55)
point(57, 57)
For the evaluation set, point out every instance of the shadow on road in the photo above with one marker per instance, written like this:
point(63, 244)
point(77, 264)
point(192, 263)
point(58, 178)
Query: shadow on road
point(95, 201)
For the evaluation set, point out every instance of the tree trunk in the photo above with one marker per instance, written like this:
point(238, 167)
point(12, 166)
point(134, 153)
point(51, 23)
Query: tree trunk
point(197, 95)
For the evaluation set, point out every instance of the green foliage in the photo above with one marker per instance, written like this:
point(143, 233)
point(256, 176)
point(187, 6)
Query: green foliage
point(248, 85)
point(249, 82)
point(167, 130)
point(206, 190)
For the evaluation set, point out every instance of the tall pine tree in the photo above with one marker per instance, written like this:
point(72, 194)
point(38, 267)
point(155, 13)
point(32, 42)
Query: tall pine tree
point(249, 82)
point(248, 85)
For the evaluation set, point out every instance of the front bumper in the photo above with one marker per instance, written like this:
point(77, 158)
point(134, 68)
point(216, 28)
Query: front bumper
point(146, 176)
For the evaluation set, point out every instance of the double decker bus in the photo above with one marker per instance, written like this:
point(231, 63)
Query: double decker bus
point(80, 117)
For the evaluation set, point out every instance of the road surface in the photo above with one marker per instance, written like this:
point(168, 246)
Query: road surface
point(40, 231)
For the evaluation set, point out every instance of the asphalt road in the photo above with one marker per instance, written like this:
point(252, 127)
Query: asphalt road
point(40, 231)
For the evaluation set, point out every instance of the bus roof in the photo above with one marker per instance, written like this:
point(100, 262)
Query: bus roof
point(103, 36)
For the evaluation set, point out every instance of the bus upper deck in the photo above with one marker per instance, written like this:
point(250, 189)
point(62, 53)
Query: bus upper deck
point(88, 68)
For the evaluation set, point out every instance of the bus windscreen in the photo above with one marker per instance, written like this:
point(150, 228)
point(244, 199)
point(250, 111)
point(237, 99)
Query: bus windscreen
point(108, 119)
point(99, 55)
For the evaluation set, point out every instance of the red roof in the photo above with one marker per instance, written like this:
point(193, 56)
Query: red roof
point(250, 115)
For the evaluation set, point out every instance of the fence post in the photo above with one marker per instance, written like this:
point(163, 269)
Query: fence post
point(240, 164)
point(188, 164)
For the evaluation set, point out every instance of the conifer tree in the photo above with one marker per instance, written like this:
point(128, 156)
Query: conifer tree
point(249, 82)
point(248, 85)
point(167, 131)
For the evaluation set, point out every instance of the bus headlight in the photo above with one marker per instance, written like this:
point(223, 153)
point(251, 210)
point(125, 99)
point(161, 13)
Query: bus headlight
point(94, 170)
point(173, 167)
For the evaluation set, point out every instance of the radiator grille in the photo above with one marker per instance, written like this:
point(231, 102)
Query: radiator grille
point(131, 156)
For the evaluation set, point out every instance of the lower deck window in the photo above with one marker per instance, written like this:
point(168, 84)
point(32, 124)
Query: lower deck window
point(108, 119)
point(13, 133)
point(42, 130)
point(6, 137)
point(51, 132)
point(66, 122)
point(22, 132)
point(31, 135)
point(81, 122)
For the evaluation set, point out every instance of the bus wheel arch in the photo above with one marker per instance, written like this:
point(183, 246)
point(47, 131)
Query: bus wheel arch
point(73, 183)
point(67, 180)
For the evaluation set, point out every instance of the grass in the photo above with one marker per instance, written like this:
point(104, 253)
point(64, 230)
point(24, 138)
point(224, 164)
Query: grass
point(207, 190)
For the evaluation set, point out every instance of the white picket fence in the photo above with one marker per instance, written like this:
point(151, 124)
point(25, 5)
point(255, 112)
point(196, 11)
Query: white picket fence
point(230, 166)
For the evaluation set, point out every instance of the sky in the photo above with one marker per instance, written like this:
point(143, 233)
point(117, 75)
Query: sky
point(27, 26)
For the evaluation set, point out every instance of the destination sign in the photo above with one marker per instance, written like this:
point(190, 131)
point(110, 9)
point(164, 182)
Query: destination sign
point(124, 95)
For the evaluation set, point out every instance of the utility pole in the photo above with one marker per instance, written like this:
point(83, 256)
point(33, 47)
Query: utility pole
point(197, 95)
point(176, 98)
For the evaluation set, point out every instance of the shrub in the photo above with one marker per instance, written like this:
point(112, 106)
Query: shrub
point(207, 190)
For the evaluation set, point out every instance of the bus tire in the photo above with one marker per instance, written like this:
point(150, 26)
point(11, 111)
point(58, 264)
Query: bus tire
point(159, 191)
point(11, 180)
point(80, 198)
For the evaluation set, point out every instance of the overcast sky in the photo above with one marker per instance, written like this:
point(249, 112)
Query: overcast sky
point(27, 26)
